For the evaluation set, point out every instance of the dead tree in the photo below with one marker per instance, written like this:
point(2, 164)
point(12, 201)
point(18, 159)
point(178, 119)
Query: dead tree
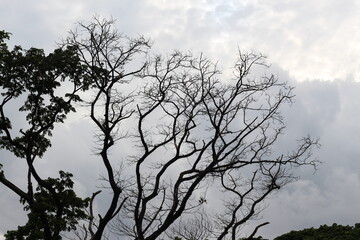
point(190, 131)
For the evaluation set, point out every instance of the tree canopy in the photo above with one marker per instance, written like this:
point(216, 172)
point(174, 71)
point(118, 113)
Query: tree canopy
point(324, 232)
point(33, 77)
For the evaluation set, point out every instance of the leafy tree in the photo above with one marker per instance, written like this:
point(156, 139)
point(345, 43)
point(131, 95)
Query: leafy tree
point(45, 205)
point(324, 232)
point(192, 133)
point(32, 76)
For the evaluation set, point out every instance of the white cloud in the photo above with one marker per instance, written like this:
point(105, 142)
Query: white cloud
point(310, 39)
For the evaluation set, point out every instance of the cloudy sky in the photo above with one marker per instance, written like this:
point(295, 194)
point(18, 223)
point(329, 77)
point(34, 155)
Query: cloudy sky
point(314, 45)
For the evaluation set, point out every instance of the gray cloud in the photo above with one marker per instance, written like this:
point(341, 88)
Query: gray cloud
point(327, 110)
point(304, 40)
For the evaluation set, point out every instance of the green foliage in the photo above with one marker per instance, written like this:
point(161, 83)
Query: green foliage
point(32, 73)
point(324, 232)
point(61, 209)
point(32, 78)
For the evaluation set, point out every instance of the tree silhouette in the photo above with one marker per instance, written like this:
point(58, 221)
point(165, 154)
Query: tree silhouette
point(32, 76)
point(332, 232)
point(191, 141)
point(190, 131)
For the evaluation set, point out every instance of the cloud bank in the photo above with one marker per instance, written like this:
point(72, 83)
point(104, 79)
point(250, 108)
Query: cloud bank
point(311, 44)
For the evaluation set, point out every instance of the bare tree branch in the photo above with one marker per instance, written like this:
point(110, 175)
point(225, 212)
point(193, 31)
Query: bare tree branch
point(191, 129)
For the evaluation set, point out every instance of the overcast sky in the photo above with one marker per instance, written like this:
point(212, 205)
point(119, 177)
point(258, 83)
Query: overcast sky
point(314, 45)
